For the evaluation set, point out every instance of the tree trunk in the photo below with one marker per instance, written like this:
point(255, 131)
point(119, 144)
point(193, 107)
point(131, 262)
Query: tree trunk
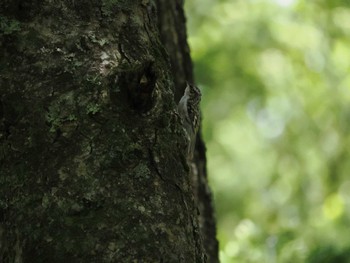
point(92, 151)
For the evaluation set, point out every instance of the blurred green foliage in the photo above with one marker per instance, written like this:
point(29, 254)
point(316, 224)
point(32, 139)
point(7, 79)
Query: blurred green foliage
point(276, 105)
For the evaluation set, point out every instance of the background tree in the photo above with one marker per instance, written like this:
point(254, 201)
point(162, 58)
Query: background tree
point(92, 151)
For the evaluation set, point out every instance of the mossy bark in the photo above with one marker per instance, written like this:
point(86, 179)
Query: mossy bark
point(92, 151)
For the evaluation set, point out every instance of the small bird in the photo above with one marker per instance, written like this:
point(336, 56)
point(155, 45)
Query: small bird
point(189, 112)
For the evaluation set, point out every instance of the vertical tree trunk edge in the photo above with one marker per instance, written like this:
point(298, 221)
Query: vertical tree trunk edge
point(92, 152)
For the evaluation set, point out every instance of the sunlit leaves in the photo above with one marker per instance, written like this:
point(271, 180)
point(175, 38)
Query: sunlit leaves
point(276, 107)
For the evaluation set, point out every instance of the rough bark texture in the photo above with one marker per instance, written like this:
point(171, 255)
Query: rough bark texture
point(92, 152)
point(172, 27)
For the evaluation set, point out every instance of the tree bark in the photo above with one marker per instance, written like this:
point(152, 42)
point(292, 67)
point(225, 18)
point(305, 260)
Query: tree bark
point(92, 151)
point(172, 28)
